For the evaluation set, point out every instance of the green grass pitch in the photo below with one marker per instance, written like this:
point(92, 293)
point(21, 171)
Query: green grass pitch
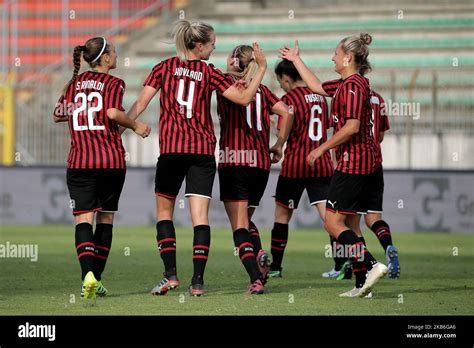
point(433, 280)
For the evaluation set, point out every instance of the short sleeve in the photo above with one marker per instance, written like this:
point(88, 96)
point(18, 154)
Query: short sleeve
point(330, 87)
point(272, 99)
point(328, 118)
point(60, 109)
point(117, 91)
point(285, 99)
point(156, 76)
point(219, 81)
point(384, 123)
point(353, 101)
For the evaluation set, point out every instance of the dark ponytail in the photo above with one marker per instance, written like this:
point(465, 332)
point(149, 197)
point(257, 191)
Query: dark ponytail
point(92, 52)
point(76, 61)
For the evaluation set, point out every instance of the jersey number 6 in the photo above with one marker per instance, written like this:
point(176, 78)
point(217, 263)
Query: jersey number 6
point(315, 119)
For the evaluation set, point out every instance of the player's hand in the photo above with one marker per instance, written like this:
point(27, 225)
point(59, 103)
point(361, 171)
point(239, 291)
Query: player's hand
point(259, 56)
point(241, 84)
point(142, 129)
point(276, 152)
point(290, 54)
point(313, 156)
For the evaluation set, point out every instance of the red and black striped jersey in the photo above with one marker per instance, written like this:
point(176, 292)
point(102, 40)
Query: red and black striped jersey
point(309, 130)
point(245, 131)
point(95, 138)
point(351, 99)
point(185, 124)
point(379, 121)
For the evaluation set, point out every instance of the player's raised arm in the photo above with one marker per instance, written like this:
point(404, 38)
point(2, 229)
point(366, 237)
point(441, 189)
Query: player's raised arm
point(245, 96)
point(293, 55)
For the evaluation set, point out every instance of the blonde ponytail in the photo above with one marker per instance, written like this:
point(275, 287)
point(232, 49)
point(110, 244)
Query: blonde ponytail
point(359, 47)
point(244, 62)
point(187, 34)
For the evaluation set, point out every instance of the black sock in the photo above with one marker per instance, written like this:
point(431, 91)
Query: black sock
point(357, 251)
point(85, 247)
point(166, 238)
point(359, 269)
point(255, 238)
point(201, 244)
point(382, 231)
point(279, 241)
point(246, 254)
point(338, 260)
point(102, 242)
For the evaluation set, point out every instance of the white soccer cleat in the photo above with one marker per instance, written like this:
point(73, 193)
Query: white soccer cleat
point(354, 293)
point(331, 274)
point(373, 276)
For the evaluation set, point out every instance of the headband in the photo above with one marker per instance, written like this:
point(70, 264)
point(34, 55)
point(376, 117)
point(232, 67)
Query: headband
point(101, 51)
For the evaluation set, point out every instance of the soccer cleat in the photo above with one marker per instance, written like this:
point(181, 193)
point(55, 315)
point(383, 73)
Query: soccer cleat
point(89, 286)
point(256, 288)
point(393, 264)
point(101, 290)
point(264, 260)
point(196, 289)
point(373, 276)
point(354, 293)
point(167, 283)
point(275, 273)
point(345, 272)
point(331, 274)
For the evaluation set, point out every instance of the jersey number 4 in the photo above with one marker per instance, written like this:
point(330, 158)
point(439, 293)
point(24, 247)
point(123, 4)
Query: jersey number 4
point(186, 103)
point(90, 111)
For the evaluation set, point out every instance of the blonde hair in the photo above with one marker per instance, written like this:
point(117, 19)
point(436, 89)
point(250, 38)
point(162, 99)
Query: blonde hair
point(244, 61)
point(359, 47)
point(187, 34)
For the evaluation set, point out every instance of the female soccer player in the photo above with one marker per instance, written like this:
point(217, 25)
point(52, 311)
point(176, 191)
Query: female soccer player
point(351, 113)
point(308, 131)
point(373, 214)
point(244, 161)
point(187, 140)
point(92, 105)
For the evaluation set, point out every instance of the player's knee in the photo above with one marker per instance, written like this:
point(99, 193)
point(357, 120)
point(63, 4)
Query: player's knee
point(283, 215)
point(105, 218)
point(370, 219)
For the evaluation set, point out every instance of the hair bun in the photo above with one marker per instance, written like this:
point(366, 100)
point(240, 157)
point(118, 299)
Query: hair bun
point(366, 38)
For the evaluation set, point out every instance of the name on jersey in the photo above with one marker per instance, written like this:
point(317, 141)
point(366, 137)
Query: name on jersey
point(313, 98)
point(196, 75)
point(90, 84)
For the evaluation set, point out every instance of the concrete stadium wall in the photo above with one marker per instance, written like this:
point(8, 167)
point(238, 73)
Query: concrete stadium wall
point(440, 201)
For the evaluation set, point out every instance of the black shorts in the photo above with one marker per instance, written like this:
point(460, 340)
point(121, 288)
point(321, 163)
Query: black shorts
point(289, 190)
point(353, 193)
point(243, 183)
point(373, 202)
point(95, 189)
point(173, 168)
